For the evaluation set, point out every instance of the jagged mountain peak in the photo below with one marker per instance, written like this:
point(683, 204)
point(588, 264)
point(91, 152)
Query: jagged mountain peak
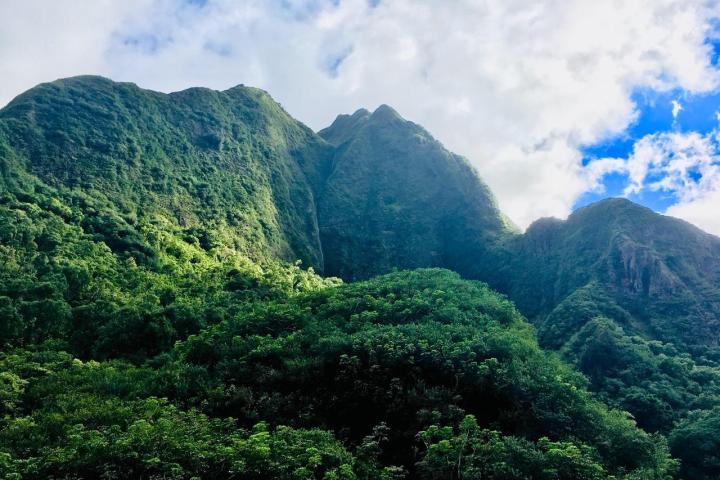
point(396, 198)
point(384, 113)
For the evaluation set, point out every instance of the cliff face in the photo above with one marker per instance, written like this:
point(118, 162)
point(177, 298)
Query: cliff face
point(661, 271)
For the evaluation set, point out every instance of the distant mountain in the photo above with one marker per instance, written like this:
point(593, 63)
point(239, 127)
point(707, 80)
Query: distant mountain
point(659, 277)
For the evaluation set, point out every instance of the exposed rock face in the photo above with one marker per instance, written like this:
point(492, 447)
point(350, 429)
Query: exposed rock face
point(636, 269)
point(657, 275)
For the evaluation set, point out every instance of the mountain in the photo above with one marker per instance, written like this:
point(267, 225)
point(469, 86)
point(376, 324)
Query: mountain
point(155, 324)
point(227, 167)
point(630, 297)
point(658, 276)
point(395, 198)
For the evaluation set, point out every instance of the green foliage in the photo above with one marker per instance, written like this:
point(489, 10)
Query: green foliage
point(97, 438)
point(403, 350)
point(375, 363)
point(396, 198)
point(696, 442)
point(152, 327)
point(109, 303)
point(652, 380)
point(472, 452)
point(228, 166)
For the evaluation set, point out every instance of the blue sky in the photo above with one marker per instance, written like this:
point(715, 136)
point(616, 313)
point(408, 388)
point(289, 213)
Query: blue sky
point(557, 103)
point(699, 113)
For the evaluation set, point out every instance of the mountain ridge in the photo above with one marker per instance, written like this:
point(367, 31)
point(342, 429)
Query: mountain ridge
point(157, 229)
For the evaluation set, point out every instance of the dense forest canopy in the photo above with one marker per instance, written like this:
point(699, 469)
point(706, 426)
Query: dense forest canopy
point(168, 305)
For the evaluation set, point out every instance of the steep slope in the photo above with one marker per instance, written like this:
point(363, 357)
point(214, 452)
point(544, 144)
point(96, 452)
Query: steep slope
point(658, 276)
point(630, 297)
point(395, 198)
point(226, 166)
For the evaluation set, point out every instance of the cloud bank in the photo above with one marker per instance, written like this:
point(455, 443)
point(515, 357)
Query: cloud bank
point(683, 165)
point(517, 86)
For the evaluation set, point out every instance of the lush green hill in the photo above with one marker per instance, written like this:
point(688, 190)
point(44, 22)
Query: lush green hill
point(153, 323)
point(395, 198)
point(632, 298)
point(417, 373)
point(227, 167)
point(658, 276)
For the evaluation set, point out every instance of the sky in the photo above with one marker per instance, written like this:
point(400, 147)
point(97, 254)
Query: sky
point(557, 103)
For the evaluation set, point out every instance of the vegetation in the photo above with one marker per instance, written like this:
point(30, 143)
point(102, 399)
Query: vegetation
point(226, 166)
point(696, 440)
point(396, 198)
point(386, 369)
point(160, 314)
point(629, 297)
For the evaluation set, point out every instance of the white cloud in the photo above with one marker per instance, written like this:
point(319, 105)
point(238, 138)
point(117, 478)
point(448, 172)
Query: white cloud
point(703, 211)
point(42, 41)
point(676, 108)
point(516, 86)
point(684, 165)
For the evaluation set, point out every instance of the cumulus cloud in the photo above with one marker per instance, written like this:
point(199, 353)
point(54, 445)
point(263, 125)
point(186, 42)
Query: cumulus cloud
point(516, 86)
point(683, 165)
point(41, 41)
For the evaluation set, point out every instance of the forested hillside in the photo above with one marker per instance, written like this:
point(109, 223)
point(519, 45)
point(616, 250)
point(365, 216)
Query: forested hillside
point(227, 167)
point(395, 198)
point(155, 322)
point(630, 297)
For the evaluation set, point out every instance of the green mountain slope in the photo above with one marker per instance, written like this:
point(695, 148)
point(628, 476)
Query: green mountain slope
point(632, 298)
point(658, 276)
point(152, 327)
point(228, 167)
point(395, 198)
